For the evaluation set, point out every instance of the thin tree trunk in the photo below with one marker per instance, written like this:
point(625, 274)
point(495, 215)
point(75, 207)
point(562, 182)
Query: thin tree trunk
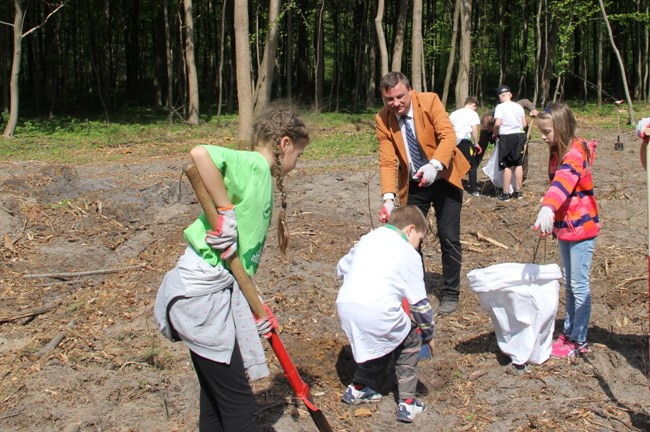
point(452, 51)
point(243, 59)
point(4, 76)
point(400, 32)
point(462, 77)
point(372, 71)
point(192, 76)
point(132, 48)
point(538, 52)
point(181, 69)
point(319, 67)
point(501, 45)
point(107, 60)
point(630, 109)
point(10, 128)
point(262, 95)
point(646, 61)
point(52, 64)
point(416, 46)
point(222, 45)
point(524, 48)
point(600, 63)
point(638, 57)
point(288, 64)
point(361, 49)
point(381, 37)
point(169, 60)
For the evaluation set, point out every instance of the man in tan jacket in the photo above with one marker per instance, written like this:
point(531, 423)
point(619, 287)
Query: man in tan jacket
point(420, 165)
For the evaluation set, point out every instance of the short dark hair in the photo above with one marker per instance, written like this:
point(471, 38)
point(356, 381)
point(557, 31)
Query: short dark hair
point(471, 100)
point(391, 79)
point(401, 217)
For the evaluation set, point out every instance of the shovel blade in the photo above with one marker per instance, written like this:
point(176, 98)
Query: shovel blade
point(299, 386)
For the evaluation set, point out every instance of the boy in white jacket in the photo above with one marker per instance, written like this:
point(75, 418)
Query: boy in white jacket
point(381, 270)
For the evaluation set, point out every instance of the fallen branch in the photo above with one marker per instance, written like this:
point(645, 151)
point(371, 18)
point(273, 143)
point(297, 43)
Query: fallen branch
point(56, 340)
point(490, 240)
point(30, 313)
point(83, 273)
point(630, 280)
point(134, 363)
point(61, 282)
point(601, 413)
point(12, 413)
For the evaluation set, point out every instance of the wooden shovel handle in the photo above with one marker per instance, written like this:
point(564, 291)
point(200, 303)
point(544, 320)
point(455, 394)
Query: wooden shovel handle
point(235, 264)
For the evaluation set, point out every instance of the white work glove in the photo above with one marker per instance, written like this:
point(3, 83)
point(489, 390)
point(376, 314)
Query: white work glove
point(266, 325)
point(223, 237)
point(428, 173)
point(386, 210)
point(544, 222)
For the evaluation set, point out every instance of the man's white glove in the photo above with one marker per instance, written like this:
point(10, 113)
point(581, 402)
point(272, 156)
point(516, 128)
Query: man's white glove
point(544, 222)
point(386, 210)
point(428, 173)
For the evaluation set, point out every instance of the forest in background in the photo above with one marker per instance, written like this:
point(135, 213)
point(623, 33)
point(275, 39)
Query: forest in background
point(96, 56)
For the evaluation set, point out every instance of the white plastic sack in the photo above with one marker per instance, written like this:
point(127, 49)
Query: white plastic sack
point(491, 169)
point(522, 301)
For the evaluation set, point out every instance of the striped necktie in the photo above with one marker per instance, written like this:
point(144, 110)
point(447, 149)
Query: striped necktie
point(417, 157)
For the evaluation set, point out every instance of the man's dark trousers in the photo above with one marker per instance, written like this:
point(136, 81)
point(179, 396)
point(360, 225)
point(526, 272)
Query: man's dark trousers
point(447, 202)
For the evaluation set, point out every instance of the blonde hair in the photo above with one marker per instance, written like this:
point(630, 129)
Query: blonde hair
point(487, 122)
point(268, 131)
point(564, 129)
point(401, 217)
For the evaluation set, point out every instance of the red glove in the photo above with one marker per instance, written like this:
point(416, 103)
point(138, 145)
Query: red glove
point(266, 325)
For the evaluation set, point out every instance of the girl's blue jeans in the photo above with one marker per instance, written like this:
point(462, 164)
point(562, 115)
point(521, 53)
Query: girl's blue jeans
point(576, 259)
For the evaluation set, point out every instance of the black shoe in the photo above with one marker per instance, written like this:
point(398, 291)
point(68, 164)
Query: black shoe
point(448, 305)
point(517, 195)
point(475, 192)
point(505, 197)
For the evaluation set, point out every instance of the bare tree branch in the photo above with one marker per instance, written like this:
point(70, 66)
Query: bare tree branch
point(33, 29)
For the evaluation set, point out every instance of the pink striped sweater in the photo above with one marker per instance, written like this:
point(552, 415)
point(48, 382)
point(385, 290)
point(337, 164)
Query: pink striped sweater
point(571, 194)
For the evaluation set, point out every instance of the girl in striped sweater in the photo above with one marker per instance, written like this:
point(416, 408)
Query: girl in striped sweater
point(570, 213)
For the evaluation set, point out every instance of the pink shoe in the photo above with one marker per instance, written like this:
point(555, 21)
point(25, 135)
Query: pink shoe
point(569, 349)
point(558, 345)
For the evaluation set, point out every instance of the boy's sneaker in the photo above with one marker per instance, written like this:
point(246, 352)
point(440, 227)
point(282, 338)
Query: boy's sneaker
point(475, 192)
point(517, 195)
point(352, 396)
point(505, 196)
point(406, 412)
point(568, 349)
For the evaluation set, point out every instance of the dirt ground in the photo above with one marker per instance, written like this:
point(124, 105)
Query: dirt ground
point(122, 223)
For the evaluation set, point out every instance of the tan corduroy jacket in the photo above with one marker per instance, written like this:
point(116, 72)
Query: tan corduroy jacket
point(436, 136)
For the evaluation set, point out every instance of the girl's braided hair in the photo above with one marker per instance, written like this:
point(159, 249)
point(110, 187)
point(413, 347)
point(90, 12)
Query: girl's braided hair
point(269, 129)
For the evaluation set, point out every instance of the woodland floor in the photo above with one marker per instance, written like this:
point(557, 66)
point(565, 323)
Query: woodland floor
point(112, 370)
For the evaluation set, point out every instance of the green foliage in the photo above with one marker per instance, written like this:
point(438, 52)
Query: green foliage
point(73, 140)
point(341, 135)
point(333, 136)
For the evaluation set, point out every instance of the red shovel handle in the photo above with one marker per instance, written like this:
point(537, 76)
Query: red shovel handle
point(299, 386)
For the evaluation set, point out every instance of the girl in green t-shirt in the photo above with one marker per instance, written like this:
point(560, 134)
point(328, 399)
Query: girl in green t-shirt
point(198, 301)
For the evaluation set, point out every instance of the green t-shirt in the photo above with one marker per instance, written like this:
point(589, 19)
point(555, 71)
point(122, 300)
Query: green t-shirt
point(249, 184)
